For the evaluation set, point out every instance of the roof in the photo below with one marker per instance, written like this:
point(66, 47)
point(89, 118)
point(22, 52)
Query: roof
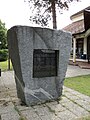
point(87, 8)
point(81, 25)
point(75, 27)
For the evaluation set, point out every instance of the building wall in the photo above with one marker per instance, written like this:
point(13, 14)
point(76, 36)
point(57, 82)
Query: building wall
point(77, 17)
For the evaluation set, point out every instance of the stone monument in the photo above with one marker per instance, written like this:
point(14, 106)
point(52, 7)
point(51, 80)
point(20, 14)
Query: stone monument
point(40, 57)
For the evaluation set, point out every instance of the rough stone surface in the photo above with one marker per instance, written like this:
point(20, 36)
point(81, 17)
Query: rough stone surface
point(22, 41)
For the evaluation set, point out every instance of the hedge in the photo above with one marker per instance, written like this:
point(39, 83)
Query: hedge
point(3, 54)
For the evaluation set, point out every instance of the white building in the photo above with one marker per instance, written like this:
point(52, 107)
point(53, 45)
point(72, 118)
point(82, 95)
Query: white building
point(80, 29)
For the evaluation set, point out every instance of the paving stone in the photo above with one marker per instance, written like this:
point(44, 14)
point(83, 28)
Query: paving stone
point(84, 104)
point(56, 118)
point(15, 100)
point(72, 97)
point(46, 113)
point(30, 115)
point(70, 91)
point(2, 88)
point(67, 93)
point(1, 85)
point(45, 117)
point(64, 100)
point(56, 107)
point(4, 95)
point(6, 108)
point(67, 89)
point(76, 109)
point(10, 87)
point(4, 100)
point(1, 82)
point(42, 111)
point(13, 115)
point(75, 92)
point(23, 108)
point(84, 97)
point(12, 93)
point(49, 117)
point(66, 115)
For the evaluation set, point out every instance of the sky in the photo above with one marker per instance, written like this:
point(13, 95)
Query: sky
point(17, 12)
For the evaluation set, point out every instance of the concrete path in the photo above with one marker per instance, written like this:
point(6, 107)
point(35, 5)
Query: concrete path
point(73, 71)
point(72, 106)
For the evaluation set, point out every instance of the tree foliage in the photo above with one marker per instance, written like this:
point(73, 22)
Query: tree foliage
point(3, 36)
point(45, 10)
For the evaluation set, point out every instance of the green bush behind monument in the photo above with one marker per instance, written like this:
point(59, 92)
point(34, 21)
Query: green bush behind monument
point(3, 54)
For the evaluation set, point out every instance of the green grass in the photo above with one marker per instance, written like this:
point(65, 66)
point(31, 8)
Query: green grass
point(80, 84)
point(4, 66)
point(85, 118)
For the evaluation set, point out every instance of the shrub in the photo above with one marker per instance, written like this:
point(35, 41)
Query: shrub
point(3, 54)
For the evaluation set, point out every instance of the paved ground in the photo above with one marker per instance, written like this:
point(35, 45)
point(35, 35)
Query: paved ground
point(81, 63)
point(76, 71)
point(72, 106)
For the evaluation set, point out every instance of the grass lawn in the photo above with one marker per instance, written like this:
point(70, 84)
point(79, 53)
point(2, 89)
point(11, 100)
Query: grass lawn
point(4, 66)
point(85, 118)
point(80, 84)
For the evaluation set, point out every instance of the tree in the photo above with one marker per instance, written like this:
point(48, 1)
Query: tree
point(46, 10)
point(3, 40)
point(3, 36)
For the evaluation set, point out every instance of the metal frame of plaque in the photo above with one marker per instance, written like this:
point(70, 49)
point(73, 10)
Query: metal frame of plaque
point(44, 63)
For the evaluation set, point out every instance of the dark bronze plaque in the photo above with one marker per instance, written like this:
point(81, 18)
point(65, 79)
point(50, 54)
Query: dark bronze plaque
point(44, 63)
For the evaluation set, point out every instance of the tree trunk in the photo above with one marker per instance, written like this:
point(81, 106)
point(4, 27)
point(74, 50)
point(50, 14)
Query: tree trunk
point(54, 14)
